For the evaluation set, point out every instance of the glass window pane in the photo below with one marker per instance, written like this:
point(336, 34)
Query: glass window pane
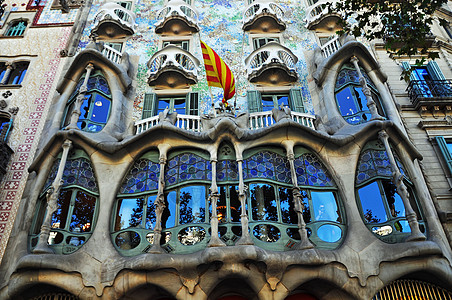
point(169, 214)
point(192, 203)
point(162, 104)
point(325, 206)
point(263, 202)
point(395, 202)
point(221, 205)
point(101, 108)
point(372, 204)
point(60, 216)
point(179, 106)
point(347, 105)
point(267, 103)
point(84, 109)
point(362, 100)
point(236, 207)
point(82, 215)
point(150, 212)
point(129, 213)
point(283, 100)
point(287, 209)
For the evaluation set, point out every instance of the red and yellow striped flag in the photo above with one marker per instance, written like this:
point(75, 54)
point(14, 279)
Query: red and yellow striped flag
point(218, 73)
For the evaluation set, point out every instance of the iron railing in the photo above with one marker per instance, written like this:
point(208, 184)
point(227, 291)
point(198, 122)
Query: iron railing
point(429, 89)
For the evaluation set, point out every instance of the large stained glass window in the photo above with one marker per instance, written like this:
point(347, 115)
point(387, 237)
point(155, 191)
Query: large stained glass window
point(273, 220)
point(134, 214)
point(74, 219)
point(95, 109)
point(381, 205)
point(350, 98)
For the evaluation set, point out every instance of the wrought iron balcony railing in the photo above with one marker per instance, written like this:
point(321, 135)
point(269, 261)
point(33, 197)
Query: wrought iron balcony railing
point(429, 90)
point(113, 11)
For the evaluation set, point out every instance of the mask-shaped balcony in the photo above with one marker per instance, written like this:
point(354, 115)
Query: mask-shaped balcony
point(177, 18)
point(263, 16)
point(113, 21)
point(172, 67)
point(272, 64)
point(319, 16)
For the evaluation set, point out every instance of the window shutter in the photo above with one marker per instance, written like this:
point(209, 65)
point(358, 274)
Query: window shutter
point(296, 100)
point(434, 71)
point(191, 103)
point(406, 66)
point(445, 151)
point(149, 106)
point(254, 101)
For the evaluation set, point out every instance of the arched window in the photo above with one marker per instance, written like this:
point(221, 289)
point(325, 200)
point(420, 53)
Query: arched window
point(73, 222)
point(350, 99)
point(13, 74)
point(16, 28)
point(273, 220)
point(95, 109)
point(187, 180)
point(134, 218)
point(381, 206)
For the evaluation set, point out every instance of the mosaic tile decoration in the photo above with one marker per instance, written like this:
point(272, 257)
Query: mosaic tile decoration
point(32, 99)
point(267, 165)
point(185, 167)
point(349, 74)
point(311, 171)
point(227, 170)
point(142, 177)
point(375, 163)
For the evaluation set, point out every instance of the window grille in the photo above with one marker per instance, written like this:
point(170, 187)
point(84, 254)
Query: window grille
point(17, 28)
point(412, 289)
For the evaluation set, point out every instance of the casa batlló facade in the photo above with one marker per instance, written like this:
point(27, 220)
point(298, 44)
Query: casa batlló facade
point(125, 177)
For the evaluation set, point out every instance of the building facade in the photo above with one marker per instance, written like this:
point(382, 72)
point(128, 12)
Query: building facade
point(326, 177)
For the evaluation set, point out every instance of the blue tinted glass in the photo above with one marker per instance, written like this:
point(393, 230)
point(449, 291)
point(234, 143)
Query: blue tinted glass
point(395, 202)
point(267, 103)
point(449, 146)
point(283, 100)
point(421, 73)
point(101, 108)
point(163, 103)
point(84, 109)
point(192, 204)
point(325, 206)
point(129, 214)
point(93, 127)
point(362, 100)
point(179, 106)
point(2, 73)
point(346, 102)
point(169, 214)
point(329, 233)
point(150, 212)
point(22, 75)
point(372, 204)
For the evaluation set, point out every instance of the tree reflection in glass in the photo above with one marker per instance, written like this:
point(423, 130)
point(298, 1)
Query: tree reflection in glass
point(130, 213)
point(59, 217)
point(221, 205)
point(192, 203)
point(169, 213)
point(288, 213)
point(82, 215)
point(372, 204)
point(395, 202)
point(236, 206)
point(150, 212)
point(263, 202)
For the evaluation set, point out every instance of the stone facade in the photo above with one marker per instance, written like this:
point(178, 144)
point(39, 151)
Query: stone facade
point(328, 179)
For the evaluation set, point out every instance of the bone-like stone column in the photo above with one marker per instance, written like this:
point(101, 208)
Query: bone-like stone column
point(245, 239)
point(9, 69)
point(397, 179)
point(213, 198)
point(366, 90)
point(160, 201)
point(297, 200)
point(52, 203)
point(75, 114)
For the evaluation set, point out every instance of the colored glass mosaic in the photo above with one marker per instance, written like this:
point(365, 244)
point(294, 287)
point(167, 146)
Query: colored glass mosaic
point(78, 172)
point(348, 74)
point(187, 166)
point(267, 165)
point(375, 163)
point(143, 176)
point(227, 170)
point(311, 172)
point(94, 83)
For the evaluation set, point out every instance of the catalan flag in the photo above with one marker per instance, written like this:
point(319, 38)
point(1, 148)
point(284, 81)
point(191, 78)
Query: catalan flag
point(218, 73)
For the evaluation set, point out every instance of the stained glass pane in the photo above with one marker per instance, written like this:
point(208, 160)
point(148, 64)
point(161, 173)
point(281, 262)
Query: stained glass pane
point(227, 170)
point(187, 166)
point(77, 171)
point(311, 172)
point(143, 176)
point(267, 165)
point(374, 163)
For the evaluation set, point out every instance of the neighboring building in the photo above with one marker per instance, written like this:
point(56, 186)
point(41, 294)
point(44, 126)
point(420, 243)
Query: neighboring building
point(330, 179)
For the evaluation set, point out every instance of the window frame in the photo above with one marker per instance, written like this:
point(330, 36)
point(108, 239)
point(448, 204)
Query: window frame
point(12, 26)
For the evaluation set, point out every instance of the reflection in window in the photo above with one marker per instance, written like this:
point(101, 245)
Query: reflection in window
point(350, 99)
point(95, 108)
point(379, 201)
point(73, 221)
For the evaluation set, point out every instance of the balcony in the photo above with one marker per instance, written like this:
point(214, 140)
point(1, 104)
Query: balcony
point(172, 67)
point(112, 54)
point(177, 18)
point(272, 64)
point(263, 16)
point(257, 120)
point(330, 47)
point(113, 21)
point(319, 16)
point(430, 94)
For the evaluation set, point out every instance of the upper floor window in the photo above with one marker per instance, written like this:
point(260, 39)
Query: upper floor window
point(13, 74)
point(5, 126)
point(73, 222)
point(16, 28)
point(381, 205)
point(95, 108)
point(350, 98)
point(184, 105)
point(258, 102)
